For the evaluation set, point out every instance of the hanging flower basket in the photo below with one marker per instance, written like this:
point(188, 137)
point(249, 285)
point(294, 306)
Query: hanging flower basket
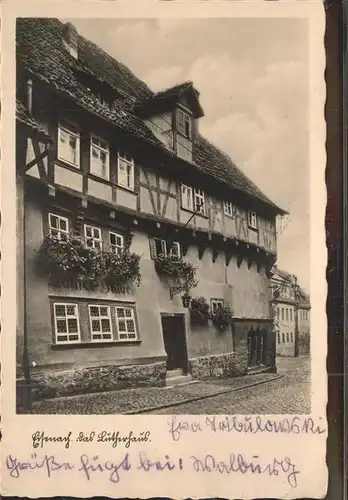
point(222, 319)
point(199, 311)
point(177, 268)
point(68, 262)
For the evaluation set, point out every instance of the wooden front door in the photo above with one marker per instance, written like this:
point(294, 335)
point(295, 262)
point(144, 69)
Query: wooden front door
point(173, 327)
point(257, 346)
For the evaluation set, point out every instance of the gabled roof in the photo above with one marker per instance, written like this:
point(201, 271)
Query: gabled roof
point(40, 51)
point(166, 99)
point(24, 118)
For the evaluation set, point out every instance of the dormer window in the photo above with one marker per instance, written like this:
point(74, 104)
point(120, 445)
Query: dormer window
point(70, 39)
point(184, 123)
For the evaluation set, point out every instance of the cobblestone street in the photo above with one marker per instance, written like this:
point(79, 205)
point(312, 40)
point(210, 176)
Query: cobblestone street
point(286, 392)
point(289, 394)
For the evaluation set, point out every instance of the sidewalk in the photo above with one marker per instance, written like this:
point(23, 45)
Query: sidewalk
point(146, 399)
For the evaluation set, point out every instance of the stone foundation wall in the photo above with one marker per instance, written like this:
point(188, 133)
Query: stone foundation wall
point(96, 379)
point(232, 364)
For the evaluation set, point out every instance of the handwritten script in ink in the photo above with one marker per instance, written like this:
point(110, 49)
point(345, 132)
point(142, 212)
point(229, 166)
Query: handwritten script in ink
point(245, 425)
point(94, 466)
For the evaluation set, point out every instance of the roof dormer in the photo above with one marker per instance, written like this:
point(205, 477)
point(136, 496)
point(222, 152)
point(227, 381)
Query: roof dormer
point(168, 99)
point(70, 39)
point(172, 115)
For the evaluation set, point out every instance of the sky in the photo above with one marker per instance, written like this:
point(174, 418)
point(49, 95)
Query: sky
point(252, 75)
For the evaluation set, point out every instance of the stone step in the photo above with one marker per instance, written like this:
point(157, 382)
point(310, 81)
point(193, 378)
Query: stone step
point(255, 370)
point(174, 373)
point(179, 380)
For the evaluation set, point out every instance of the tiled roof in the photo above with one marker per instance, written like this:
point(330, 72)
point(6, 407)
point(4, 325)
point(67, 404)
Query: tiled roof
point(23, 117)
point(40, 50)
point(177, 90)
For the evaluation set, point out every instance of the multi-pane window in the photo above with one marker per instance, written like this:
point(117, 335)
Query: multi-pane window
point(215, 305)
point(100, 164)
point(252, 220)
point(66, 323)
point(125, 170)
point(184, 123)
point(93, 237)
point(278, 338)
point(290, 314)
point(287, 337)
point(159, 246)
point(125, 321)
point(282, 313)
point(100, 323)
point(116, 242)
point(283, 337)
point(287, 314)
point(199, 201)
point(291, 337)
point(69, 144)
point(228, 208)
point(192, 199)
point(58, 227)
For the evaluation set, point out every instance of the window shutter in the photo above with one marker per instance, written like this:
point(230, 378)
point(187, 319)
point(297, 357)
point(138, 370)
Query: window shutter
point(153, 252)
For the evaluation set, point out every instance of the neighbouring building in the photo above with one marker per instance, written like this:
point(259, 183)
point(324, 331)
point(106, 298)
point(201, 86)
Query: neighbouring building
point(122, 208)
point(291, 314)
point(304, 322)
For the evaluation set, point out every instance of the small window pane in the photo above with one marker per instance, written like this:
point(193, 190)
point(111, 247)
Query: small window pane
point(122, 325)
point(61, 326)
point(72, 325)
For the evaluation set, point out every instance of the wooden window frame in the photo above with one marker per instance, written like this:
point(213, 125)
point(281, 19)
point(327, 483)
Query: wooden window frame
point(120, 249)
point(253, 224)
point(183, 197)
point(228, 208)
point(184, 118)
point(100, 148)
point(200, 194)
point(92, 238)
point(129, 163)
point(220, 302)
point(164, 244)
point(63, 126)
point(59, 230)
point(56, 318)
point(134, 319)
point(99, 317)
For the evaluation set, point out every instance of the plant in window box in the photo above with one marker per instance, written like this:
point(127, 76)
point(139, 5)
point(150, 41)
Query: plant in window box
point(222, 318)
point(64, 259)
point(199, 311)
point(69, 262)
point(120, 269)
point(177, 268)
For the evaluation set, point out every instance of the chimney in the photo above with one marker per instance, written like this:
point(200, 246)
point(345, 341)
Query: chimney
point(70, 39)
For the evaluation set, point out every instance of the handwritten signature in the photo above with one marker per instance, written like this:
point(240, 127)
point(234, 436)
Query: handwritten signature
point(236, 462)
point(91, 466)
point(245, 424)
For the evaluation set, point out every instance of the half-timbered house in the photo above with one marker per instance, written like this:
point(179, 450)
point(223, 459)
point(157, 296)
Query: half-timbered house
point(115, 179)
